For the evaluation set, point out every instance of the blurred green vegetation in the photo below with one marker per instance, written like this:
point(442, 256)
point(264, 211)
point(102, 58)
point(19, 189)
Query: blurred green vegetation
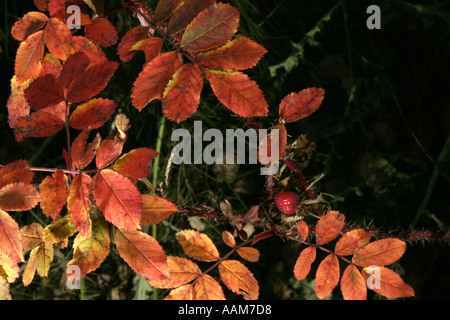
point(384, 122)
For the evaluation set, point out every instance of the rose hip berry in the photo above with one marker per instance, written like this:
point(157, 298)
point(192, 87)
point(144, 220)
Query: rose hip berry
point(286, 202)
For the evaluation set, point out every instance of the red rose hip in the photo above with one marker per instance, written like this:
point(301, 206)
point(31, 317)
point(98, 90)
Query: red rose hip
point(286, 202)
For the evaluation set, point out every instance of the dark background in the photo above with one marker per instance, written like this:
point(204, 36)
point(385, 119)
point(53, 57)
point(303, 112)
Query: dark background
point(383, 124)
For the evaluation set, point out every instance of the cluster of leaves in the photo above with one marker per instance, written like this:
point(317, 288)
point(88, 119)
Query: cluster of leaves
point(57, 76)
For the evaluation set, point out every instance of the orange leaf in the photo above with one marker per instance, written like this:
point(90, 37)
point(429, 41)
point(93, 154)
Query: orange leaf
point(165, 8)
point(297, 106)
point(75, 65)
point(28, 57)
point(10, 238)
point(136, 163)
point(38, 125)
point(239, 279)
point(211, 28)
point(92, 114)
point(50, 65)
point(78, 203)
point(40, 260)
point(91, 82)
point(43, 92)
point(353, 285)
point(351, 242)
point(54, 194)
point(156, 209)
point(238, 92)
point(387, 283)
point(89, 253)
point(58, 39)
point(329, 226)
point(118, 199)
point(327, 276)
point(207, 288)
point(238, 54)
point(9, 269)
point(181, 17)
point(31, 235)
point(17, 104)
point(151, 47)
point(185, 292)
point(380, 253)
point(18, 197)
point(130, 38)
point(151, 82)
point(93, 52)
point(304, 262)
point(181, 271)
point(17, 171)
point(109, 150)
point(101, 32)
point(197, 245)
point(82, 153)
point(228, 238)
point(248, 253)
point(303, 229)
point(181, 97)
point(29, 24)
point(142, 253)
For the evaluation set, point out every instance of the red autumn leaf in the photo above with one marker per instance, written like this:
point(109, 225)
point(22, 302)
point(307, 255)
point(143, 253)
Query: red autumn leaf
point(303, 229)
point(299, 105)
point(211, 28)
point(249, 253)
point(228, 238)
point(185, 292)
point(387, 283)
point(207, 288)
point(181, 17)
point(136, 163)
point(79, 205)
point(29, 24)
point(238, 54)
point(75, 65)
point(38, 124)
point(91, 82)
point(28, 57)
point(181, 271)
point(182, 95)
point(17, 104)
point(156, 209)
point(92, 114)
point(353, 285)
point(265, 146)
point(151, 47)
point(352, 241)
point(41, 4)
point(109, 150)
point(17, 171)
point(31, 235)
point(18, 197)
point(54, 192)
point(50, 65)
point(153, 79)
point(238, 93)
point(238, 278)
point(380, 253)
point(142, 253)
point(197, 245)
point(329, 226)
point(44, 92)
point(90, 252)
point(327, 276)
point(304, 262)
point(82, 153)
point(165, 8)
point(58, 39)
point(118, 199)
point(10, 238)
point(93, 52)
point(101, 32)
point(130, 38)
